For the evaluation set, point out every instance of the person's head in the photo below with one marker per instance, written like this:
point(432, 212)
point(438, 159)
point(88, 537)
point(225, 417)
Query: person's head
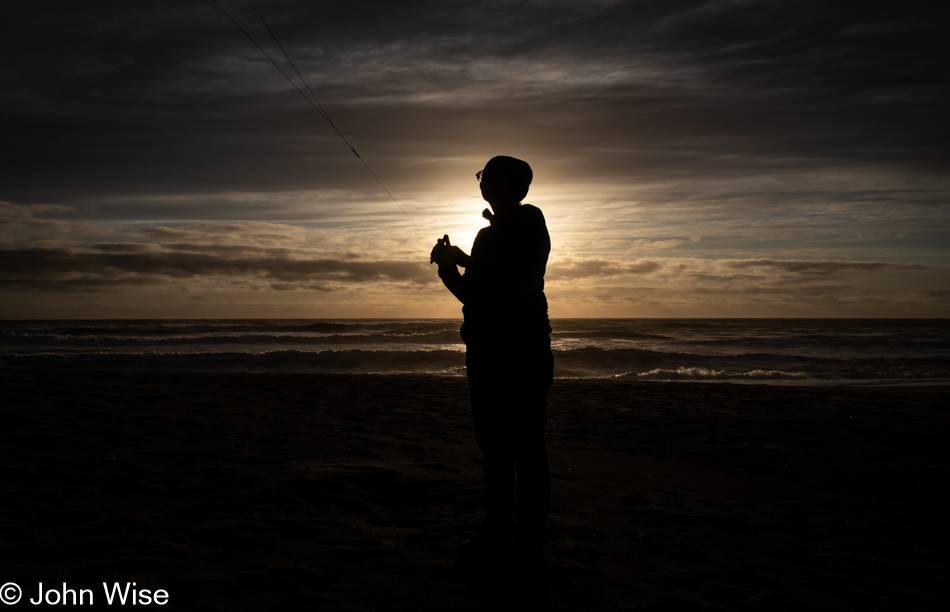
point(504, 182)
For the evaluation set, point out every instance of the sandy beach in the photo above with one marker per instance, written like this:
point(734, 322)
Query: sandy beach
point(292, 491)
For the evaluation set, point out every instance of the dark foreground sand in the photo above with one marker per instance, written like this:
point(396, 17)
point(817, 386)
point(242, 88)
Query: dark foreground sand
point(313, 492)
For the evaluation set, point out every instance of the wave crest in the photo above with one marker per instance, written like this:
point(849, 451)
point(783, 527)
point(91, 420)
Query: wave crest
point(686, 373)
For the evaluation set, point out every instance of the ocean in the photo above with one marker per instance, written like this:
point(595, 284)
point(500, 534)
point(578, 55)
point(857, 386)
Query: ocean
point(754, 351)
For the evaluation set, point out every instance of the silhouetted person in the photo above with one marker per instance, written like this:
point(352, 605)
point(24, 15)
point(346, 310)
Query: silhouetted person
point(508, 356)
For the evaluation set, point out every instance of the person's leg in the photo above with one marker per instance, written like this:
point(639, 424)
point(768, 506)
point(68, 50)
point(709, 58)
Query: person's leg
point(498, 469)
point(534, 482)
point(492, 434)
point(533, 491)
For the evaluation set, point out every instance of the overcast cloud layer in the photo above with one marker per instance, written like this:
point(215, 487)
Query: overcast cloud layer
point(692, 158)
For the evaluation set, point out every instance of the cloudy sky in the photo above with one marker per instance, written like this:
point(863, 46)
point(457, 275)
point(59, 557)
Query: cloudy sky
point(693, 159)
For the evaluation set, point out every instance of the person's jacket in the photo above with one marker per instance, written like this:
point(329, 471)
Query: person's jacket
point(502, 290)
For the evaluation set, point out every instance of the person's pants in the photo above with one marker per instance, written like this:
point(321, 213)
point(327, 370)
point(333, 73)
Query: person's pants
point(509, 387)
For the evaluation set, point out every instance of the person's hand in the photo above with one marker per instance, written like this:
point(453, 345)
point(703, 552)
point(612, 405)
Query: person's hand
point(444, 253)
point(438, 251)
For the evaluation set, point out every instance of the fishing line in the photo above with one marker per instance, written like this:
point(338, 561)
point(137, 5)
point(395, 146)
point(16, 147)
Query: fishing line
point(314, 102)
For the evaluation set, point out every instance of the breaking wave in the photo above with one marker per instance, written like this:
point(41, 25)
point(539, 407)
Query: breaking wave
point(789, 351)
point(684, 373)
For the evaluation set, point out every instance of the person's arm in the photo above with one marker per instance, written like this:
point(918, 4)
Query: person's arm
point(454, 282)
point(449, 258)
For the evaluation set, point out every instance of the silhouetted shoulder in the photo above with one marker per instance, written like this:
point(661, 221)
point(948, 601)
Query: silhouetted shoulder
point(532, 212)
point(531, 220)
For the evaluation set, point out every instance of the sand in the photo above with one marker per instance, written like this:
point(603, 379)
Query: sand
point(321, 492)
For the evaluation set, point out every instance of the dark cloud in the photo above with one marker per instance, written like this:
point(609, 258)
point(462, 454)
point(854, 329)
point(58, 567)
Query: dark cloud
point(941, 294)
point(126, 247)
point(111, 99)
point(819, 268)
point(165, 233)
point(224, 233)
point(766, 290)
point(568, 269)
point(707, 277)
point(19, 217)
point(124, 264)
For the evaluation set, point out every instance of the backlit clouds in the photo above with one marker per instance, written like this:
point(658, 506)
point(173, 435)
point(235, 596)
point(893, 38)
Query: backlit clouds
point(19, 218)
point(593, 268)
point(256, 233)
point(688, 155)
point(50, 268)
point(818, 268)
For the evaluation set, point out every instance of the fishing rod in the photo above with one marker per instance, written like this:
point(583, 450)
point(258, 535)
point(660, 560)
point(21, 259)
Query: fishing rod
point(312, 100)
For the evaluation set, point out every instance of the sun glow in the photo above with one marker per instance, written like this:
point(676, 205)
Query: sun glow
point(464, 237)
point(460, 218)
